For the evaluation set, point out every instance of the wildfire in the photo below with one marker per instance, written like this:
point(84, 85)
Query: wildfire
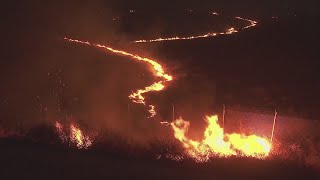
point(218, 143)
point(76, 136)
point(210, 34)
point(215, 141)
point(137, 96)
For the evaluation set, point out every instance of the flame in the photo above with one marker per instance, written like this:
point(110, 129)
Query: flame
point(210, 34)
point(76, 136)
point(252, 23)
point(231, 31)
point(137, 97)
point(218, 143)
point(215, 143)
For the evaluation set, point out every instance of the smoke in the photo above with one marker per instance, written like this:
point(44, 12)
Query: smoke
point(47, 79)
point(44, 78)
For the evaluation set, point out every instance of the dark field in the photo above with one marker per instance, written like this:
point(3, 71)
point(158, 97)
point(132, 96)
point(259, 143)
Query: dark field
point(21, 159)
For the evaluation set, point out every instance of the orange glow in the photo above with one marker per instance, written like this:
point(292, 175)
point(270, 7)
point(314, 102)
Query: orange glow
point(210, 34)
point(75, 137)
point(218, 143)
point(137, 97)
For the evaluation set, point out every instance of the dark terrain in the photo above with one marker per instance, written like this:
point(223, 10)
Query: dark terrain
point(22, 159)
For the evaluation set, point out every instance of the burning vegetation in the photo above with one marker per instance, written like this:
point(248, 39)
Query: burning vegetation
point(231, 30)
point(74, 136)
point(217, 143)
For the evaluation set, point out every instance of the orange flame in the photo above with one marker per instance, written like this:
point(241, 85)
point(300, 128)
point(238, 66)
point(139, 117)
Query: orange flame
point(218, 143)
point(210, 34)
point(76, 136)
point(137, 96)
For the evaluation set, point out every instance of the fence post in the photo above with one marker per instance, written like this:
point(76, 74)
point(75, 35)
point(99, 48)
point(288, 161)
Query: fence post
point(129, 112)
point(274, 124)
point(173, 112)
point(223, 114)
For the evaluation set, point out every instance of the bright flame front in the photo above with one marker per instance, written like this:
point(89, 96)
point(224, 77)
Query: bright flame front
point(218, 143)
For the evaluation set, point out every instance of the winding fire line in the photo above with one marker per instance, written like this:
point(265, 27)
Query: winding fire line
point(137, 97)
point(215, 141)
point(210, 34)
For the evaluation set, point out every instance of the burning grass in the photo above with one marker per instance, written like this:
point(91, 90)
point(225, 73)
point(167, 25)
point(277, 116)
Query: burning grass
point(116, 156)
point(298, 149)
point(218, 143)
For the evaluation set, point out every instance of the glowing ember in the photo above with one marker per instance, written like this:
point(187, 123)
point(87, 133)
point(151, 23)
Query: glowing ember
point(215, 13)
point(152, 111)
point(210, 34)
point(76, 136)
point(218, 143)
point(60, 132)
point(137, 96)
